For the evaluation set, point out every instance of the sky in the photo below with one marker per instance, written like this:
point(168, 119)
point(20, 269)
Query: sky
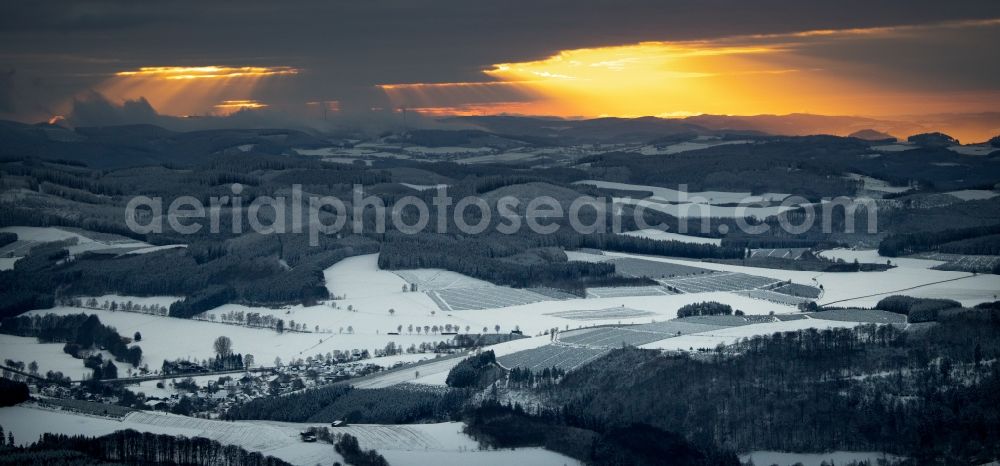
point(104, 62)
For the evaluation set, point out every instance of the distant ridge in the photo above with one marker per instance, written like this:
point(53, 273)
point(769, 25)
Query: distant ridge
point(971, 127)
point(871, 135)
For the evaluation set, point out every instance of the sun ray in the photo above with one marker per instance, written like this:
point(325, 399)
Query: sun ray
point(195, 90)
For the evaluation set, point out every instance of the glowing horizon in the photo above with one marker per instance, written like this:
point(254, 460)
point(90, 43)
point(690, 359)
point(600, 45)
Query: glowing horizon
point(774, 74)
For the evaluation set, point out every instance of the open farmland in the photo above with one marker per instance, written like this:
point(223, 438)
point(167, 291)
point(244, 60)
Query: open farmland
point(602, 314)
point(548, 356)
point(18, 248)
point(871, 256)
point(781, 253)
point(48, 356)
point(717, 282)
point(437, 279)
point(85, 241)
point(575, 348)
point(483, 297)
point(624, 291)
point(578, 347)
point(966, 263)
point(728, 335)
point(652, 269)
point(865, 289)
point(773, 296)
point(802, 291)
point(87, 407)
point(702, 210)
point(671, 195)
point(553, 293)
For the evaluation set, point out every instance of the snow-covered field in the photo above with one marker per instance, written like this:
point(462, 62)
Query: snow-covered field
point(875, 184)
point(352, 153)
point(701, 197)
point(703, 209)
point(854, 288)
point(893, 147)
point(156, 248)
point(686, 146)
point(973, 149)
point(83, 243)
point(423, 187)
point(370, 293)
point(445, 150)
point(586, 256)
point(439, 279)
point(413, 444)
point(652, 233)
point(168, 338)
point(43, 234)
point(729, 335)
point(973, 194)
point(871, 256)
point(49, 356)
point(435, 373)
point(501, 157)
point(7, 263)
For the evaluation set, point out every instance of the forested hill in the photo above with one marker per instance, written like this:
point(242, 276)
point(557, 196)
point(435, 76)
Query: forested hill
point(126, 447)
point(138, 145)
point(930, 395)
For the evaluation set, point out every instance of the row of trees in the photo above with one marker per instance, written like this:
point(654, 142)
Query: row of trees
point(113, 305)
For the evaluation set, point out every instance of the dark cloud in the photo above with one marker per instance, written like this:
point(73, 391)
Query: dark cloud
point(7, 91)
point(347, 47)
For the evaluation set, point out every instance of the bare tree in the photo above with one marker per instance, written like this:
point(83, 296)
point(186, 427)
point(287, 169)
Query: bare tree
point(223, 346)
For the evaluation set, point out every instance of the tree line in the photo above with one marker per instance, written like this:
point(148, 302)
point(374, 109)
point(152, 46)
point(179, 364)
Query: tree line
point(899, 244)
point(78, 331)
point(132, 447)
